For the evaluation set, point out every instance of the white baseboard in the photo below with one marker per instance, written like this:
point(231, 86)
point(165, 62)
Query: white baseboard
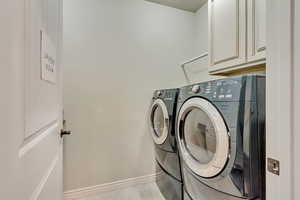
point(107, 187)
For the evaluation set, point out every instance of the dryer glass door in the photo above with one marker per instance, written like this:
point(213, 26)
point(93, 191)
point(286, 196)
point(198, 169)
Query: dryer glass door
point(203, 137)
point(199, 136)
point(159, 121)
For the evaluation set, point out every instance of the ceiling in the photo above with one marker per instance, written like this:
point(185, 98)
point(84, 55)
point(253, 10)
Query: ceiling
point(188, 5)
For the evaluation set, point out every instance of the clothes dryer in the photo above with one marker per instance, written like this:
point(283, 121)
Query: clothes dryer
point(220, 131)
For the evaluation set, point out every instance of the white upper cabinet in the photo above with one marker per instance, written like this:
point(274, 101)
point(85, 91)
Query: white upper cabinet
point(227, 32)
point(237, 34)
point(256, 30)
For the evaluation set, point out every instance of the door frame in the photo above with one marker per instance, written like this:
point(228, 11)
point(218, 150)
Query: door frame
point(281, 99)
point(296, 89)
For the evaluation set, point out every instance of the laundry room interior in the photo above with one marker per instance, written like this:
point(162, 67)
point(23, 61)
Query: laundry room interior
point(150, 99)
point(116, 54)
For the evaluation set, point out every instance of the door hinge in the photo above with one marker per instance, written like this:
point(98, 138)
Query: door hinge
point(274, 166)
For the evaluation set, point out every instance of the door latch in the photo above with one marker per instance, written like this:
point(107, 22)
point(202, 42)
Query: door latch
point(274, 166)
point(64, 131)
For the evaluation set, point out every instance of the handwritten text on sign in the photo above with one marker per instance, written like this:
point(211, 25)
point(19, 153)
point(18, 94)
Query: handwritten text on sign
point(48, 59)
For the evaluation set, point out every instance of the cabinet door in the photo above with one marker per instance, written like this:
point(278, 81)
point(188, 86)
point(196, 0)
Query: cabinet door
point(227, 32)
point(256, 30)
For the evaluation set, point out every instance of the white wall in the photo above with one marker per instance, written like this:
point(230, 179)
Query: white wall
point(202, 30)
point(198, 70)
point(115, 54)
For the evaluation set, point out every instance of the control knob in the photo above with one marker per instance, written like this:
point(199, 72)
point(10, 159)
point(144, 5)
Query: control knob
point(196, 89)
point(158, 93)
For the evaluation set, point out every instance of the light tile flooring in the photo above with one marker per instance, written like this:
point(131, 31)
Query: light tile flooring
point(139, 192)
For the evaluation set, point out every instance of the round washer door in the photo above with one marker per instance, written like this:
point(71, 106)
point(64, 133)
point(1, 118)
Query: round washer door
point(159, 121)
point(203, 137)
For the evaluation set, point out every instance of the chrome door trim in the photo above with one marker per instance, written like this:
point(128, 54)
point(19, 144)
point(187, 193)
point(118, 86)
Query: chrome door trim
point(159, 140)
point(217, 164)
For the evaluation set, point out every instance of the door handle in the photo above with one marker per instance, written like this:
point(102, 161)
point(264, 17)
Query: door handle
point(65, 132)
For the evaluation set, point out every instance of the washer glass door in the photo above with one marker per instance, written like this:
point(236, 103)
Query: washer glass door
point(203, 137)
point(159, 121)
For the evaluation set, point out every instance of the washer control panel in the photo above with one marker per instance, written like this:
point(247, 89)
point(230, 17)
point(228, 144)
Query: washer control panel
point(168, 94)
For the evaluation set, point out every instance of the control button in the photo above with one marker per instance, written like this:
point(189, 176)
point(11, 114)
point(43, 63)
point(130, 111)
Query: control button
point(228, 96)
point(215, 95)
point(196, 89)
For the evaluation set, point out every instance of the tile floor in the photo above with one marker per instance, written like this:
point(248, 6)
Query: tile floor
point(139, 192)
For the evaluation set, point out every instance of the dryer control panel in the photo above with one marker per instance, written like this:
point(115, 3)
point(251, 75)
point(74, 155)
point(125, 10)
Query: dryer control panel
point(229, 89)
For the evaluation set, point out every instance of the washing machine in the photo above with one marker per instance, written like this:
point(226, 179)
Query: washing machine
point(220, 130)
point(161, 120)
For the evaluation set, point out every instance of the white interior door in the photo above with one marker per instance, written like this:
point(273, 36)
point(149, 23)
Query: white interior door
point(31, 100)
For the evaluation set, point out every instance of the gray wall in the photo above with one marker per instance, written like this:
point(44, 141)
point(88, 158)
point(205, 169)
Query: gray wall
point(202, 29)
point(115, 54)
point(198, 70)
